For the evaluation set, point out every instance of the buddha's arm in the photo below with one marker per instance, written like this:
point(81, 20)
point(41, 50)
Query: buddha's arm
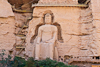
point(55, 35)
point(39, 36)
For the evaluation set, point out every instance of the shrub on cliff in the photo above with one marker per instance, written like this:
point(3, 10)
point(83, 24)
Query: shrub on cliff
point(21, 62)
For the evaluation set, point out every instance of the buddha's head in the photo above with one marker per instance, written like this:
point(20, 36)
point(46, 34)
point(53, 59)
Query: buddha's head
point(48, 18)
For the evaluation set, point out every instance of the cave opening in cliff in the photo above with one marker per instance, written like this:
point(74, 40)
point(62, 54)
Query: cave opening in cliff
point(81, 1)
point(22, 3)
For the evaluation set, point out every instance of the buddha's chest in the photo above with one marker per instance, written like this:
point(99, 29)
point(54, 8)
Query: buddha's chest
point(47, 30)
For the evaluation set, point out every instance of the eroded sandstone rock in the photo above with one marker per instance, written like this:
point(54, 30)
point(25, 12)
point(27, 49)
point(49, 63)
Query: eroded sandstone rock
point(58, 1)
point(96, 22)
point(5, 9)
point(7, 27)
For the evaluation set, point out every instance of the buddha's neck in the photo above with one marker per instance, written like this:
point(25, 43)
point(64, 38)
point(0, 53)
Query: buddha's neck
point(47, 24)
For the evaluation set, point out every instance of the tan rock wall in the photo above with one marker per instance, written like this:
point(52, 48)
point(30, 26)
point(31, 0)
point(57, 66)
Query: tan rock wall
point(59, 1)
point(96, 22)
point(7, 29)
point(5, 9)
point(7, 26)
point(21, 29)
point(76, 29)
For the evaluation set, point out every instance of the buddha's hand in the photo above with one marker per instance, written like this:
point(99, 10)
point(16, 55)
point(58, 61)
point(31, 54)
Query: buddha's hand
point(48, 41)
point(37, 43)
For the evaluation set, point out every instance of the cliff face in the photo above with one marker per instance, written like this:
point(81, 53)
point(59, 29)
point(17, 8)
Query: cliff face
point(80, 28)
point(7, 26)
point(96, 23)
point(5, 9)
point(11, 24)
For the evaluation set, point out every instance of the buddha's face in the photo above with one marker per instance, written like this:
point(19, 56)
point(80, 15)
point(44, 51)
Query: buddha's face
point(47, 19)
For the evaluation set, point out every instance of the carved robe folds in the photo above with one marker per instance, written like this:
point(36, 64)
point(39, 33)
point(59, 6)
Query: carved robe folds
point(47, 36)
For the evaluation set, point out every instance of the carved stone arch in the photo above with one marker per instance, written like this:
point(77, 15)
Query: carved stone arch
point(53, 23)
point(36, 33)
point(40, 24)
point(59, 35)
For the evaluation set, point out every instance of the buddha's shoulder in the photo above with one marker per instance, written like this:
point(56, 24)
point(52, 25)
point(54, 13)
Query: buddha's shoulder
point(51, 26)
point(42, 26)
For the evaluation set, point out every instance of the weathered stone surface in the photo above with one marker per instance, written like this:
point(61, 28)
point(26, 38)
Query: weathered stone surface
point(5, 9)
point(7, 26)
point(18, 40)
point(22, 22)
point(7, 29)
point(58, 1)
point(96, 23)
